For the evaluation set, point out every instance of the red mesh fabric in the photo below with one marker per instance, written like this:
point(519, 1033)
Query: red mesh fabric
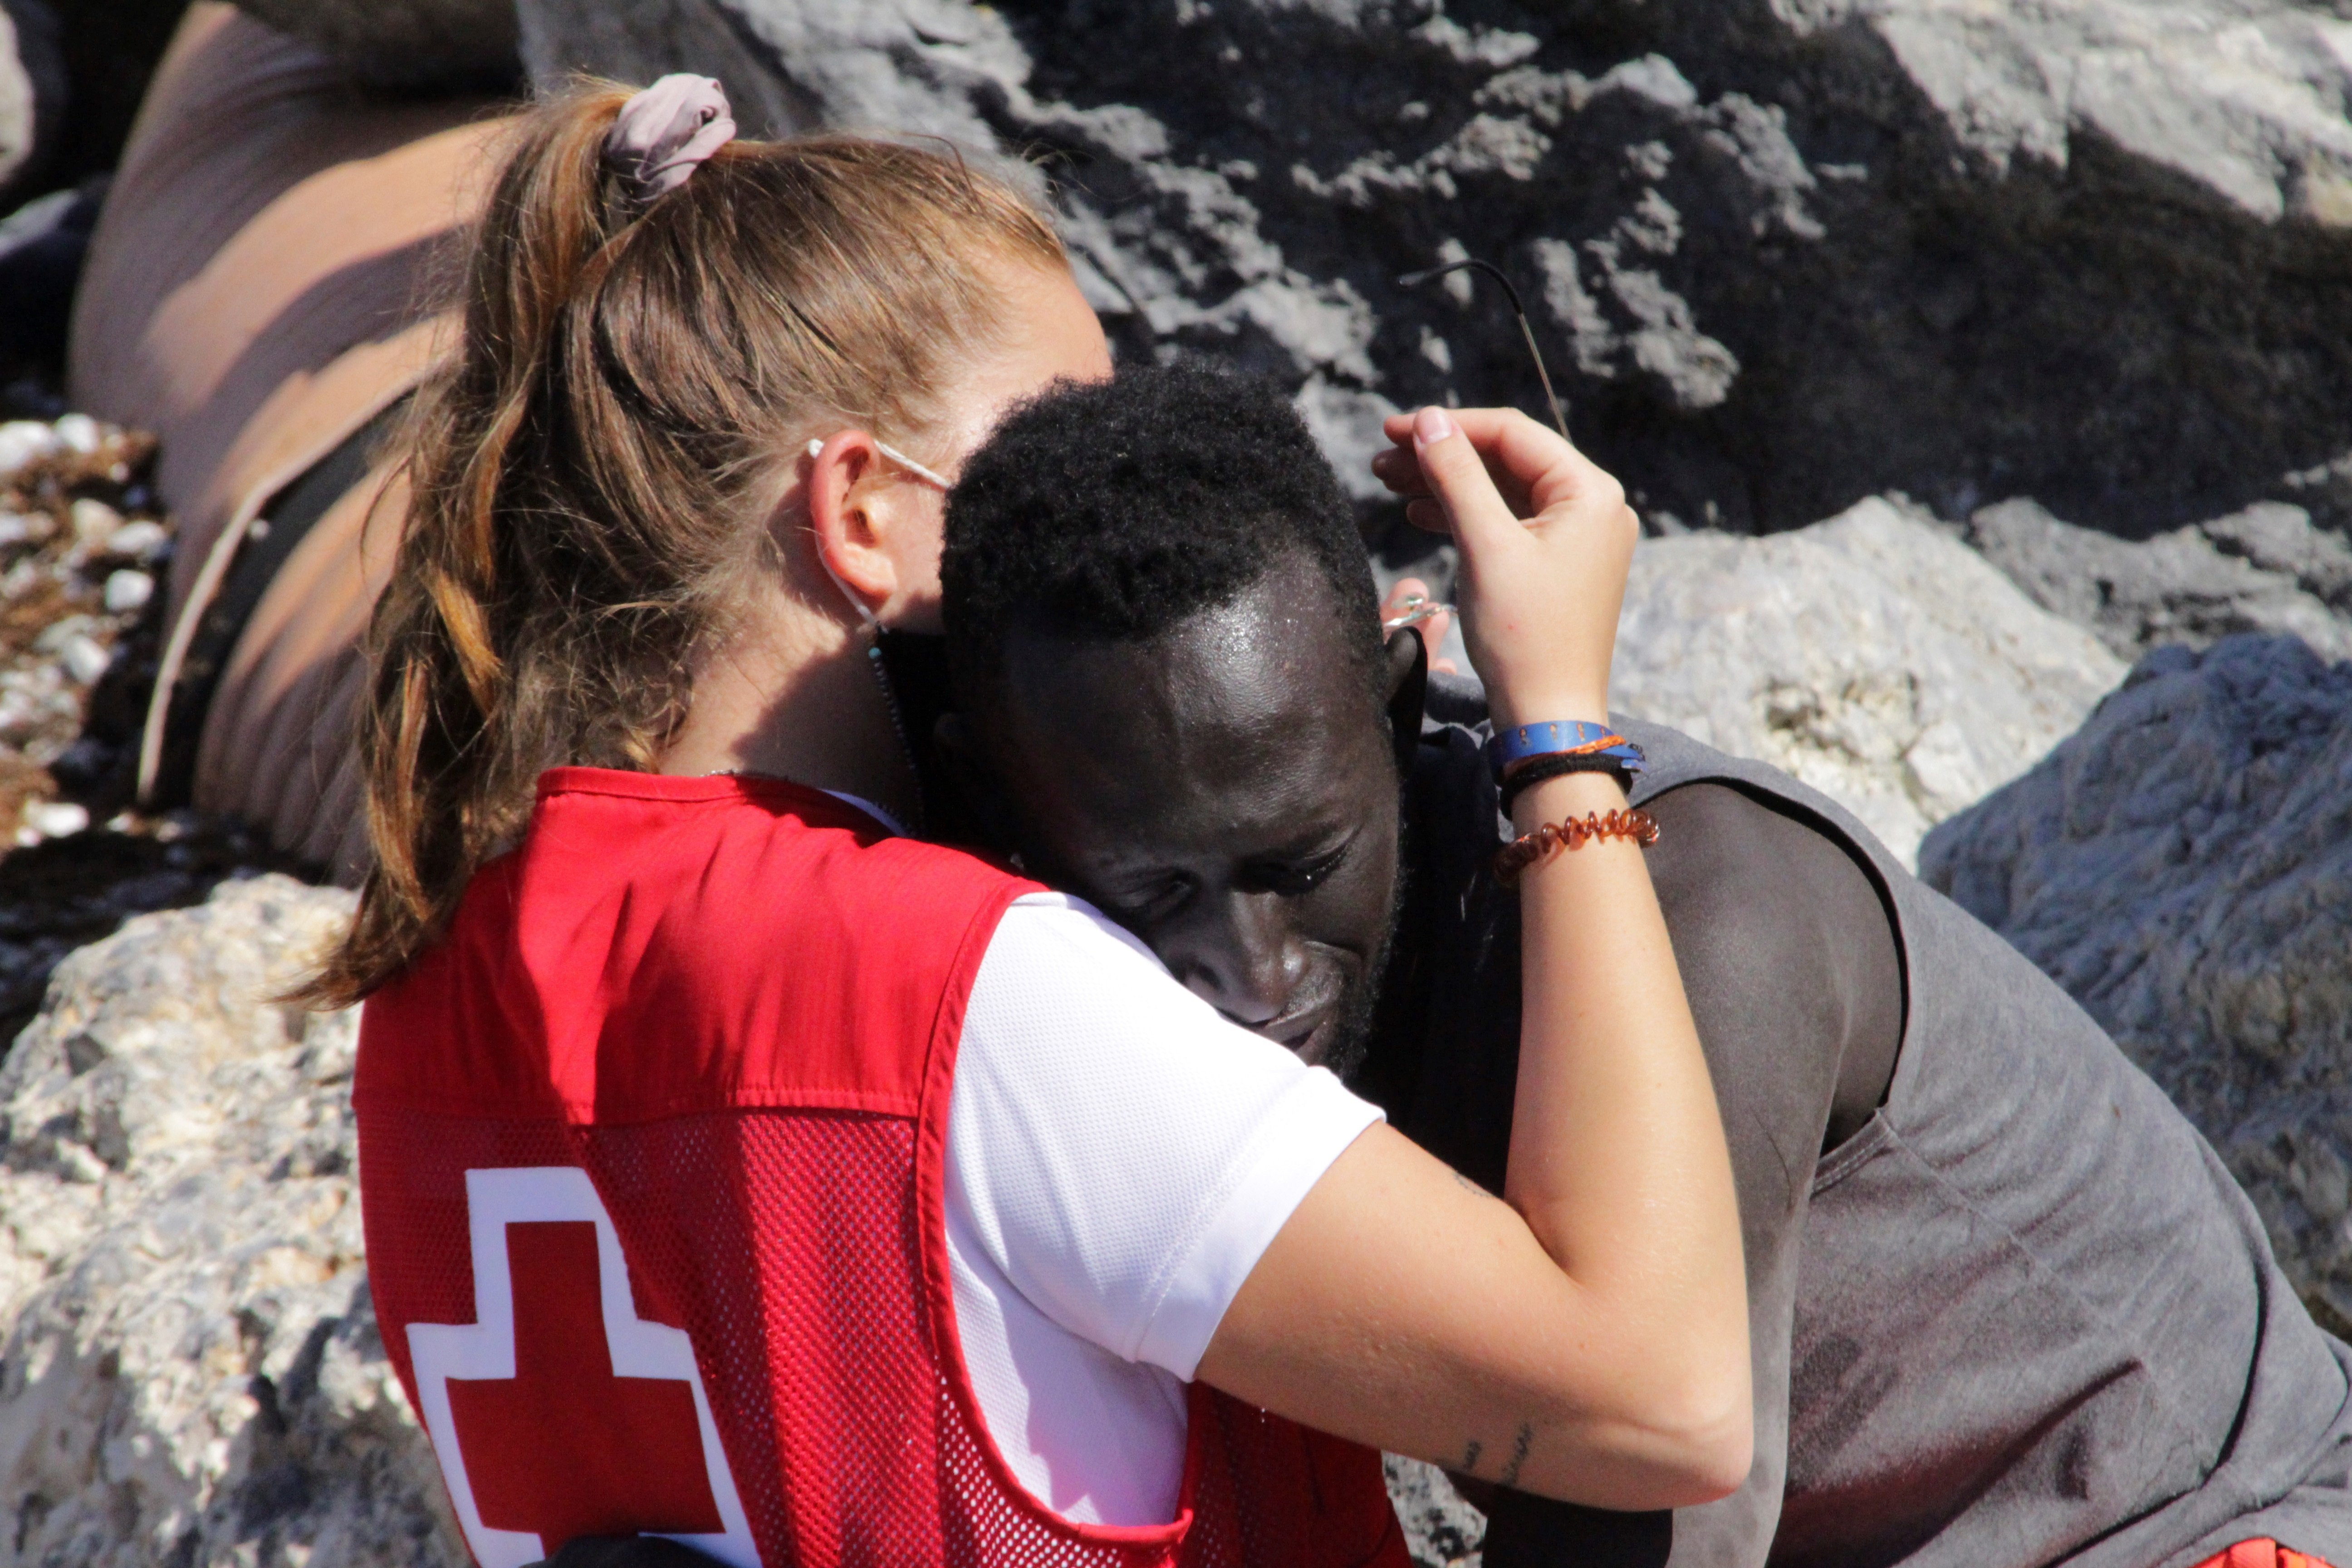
point(1274, 1492)
point(850, 1439)
point(727, 1002)
point(2263, 1553)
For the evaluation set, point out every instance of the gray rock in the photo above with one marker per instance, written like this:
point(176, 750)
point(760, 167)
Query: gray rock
point(429, 45)
point(1441, 1530)
point(2264, 569)
point(191, 1370)
point(1784, 255)
point(1872, 656)
point(2183, 867)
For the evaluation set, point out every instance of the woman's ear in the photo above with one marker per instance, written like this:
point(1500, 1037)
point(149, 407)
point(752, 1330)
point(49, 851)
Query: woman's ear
point(858, 524)
point(962, 755)
point(1406, 658)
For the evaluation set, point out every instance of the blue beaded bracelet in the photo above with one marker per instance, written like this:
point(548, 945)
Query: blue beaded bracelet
point(1510, 747)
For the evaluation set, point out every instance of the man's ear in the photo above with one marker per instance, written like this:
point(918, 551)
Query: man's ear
point(1407, 676)
point(960, 754)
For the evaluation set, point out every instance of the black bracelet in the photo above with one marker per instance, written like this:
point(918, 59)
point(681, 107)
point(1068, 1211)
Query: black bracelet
point(1535, 770)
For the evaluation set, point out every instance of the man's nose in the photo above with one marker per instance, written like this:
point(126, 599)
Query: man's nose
point(1243, 958)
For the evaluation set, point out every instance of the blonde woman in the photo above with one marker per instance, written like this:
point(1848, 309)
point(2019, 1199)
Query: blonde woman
point(675, 1225)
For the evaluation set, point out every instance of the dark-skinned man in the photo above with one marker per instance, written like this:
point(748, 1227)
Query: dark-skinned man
point(2007, 1308)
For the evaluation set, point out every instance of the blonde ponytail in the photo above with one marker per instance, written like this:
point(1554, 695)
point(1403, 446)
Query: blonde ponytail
point(583, 472)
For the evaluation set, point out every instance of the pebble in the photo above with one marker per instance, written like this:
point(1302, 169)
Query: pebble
point(85, 660)
point(56, 819)
point(128, 590)
point(79, 433)
point(94, 522)
point(20, 715)
point(14, 528)
point(144, 540)
point(53, 637)
point(23, 441)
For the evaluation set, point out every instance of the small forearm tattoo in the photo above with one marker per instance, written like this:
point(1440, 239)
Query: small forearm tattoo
point(1470, 1185)
point(1519, 1445)
point(1470, 1457)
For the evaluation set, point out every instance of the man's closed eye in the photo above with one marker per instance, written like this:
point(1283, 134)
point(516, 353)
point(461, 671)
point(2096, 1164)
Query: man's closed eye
point(1296, 879)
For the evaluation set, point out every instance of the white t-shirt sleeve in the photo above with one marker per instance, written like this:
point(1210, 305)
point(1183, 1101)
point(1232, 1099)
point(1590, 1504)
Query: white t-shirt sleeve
point(1118, 1152)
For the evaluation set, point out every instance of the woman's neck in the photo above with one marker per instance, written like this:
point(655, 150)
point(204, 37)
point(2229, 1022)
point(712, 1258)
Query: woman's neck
point(796, 698)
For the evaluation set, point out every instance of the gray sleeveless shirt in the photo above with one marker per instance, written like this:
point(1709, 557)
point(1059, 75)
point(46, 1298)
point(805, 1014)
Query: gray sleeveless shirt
point(2035, 1319)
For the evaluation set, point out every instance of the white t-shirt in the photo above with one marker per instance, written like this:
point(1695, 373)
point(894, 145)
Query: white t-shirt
point(1119, 1156)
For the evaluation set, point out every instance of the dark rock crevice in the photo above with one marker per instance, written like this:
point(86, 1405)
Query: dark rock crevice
point(1778, 277)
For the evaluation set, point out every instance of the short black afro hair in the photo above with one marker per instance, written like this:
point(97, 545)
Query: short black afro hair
point(1111, 510)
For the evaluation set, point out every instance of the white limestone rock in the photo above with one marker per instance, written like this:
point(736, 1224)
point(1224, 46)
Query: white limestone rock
point(2183, 867)
point(1440, 1529)
point(1872, 656)
point(191, 1372)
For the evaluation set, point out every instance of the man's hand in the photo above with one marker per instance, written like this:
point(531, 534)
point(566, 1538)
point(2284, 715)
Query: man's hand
point(1403, 598)
point(1546, 539)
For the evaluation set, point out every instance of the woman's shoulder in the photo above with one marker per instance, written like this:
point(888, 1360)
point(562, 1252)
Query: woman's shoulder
point(770, 940)
point(756, 842)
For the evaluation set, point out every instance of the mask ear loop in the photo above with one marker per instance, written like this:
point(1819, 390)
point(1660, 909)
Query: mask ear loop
point(816, 449)
point(908, 463)
point(874, 628)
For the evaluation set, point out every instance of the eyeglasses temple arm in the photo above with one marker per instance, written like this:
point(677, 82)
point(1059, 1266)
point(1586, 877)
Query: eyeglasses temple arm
point(1551, 398)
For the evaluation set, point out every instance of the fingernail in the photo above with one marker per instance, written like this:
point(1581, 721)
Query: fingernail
point(1430, 426)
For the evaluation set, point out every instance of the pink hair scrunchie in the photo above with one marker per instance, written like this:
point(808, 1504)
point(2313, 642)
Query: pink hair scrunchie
point(664, 133)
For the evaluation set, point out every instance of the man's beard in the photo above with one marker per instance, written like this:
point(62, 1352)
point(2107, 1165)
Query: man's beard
point(1352, 1034)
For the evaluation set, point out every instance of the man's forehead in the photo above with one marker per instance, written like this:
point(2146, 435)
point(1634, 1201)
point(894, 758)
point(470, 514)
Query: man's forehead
point(1241, 724)
point(1269, 666)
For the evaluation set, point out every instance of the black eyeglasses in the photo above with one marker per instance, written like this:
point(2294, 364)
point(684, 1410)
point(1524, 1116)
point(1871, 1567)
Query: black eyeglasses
point(1431, 274)
point(1417, 609)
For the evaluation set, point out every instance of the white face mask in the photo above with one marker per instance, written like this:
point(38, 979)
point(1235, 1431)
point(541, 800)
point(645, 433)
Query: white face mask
point(816, 449)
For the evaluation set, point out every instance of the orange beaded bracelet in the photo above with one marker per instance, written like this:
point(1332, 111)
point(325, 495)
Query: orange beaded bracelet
point(1528, 848)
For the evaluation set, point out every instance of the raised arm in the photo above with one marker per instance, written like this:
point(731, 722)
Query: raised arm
point(1584, 1338)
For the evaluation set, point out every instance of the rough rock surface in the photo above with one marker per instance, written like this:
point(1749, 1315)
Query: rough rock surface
point(2264, 569)
point(2183, 867)
point(1871, 656)
point(1441, 1530)
point(411, 44)
point(1785, 253)
point(191, 1372)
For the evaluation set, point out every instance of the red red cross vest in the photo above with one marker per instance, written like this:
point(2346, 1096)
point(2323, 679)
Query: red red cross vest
point(651, 1164)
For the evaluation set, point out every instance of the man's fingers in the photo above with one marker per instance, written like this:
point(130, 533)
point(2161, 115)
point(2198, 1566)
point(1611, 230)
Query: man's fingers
point(1397, 469)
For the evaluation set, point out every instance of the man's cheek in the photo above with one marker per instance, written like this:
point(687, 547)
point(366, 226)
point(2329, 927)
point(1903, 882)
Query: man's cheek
point(1356, 918)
